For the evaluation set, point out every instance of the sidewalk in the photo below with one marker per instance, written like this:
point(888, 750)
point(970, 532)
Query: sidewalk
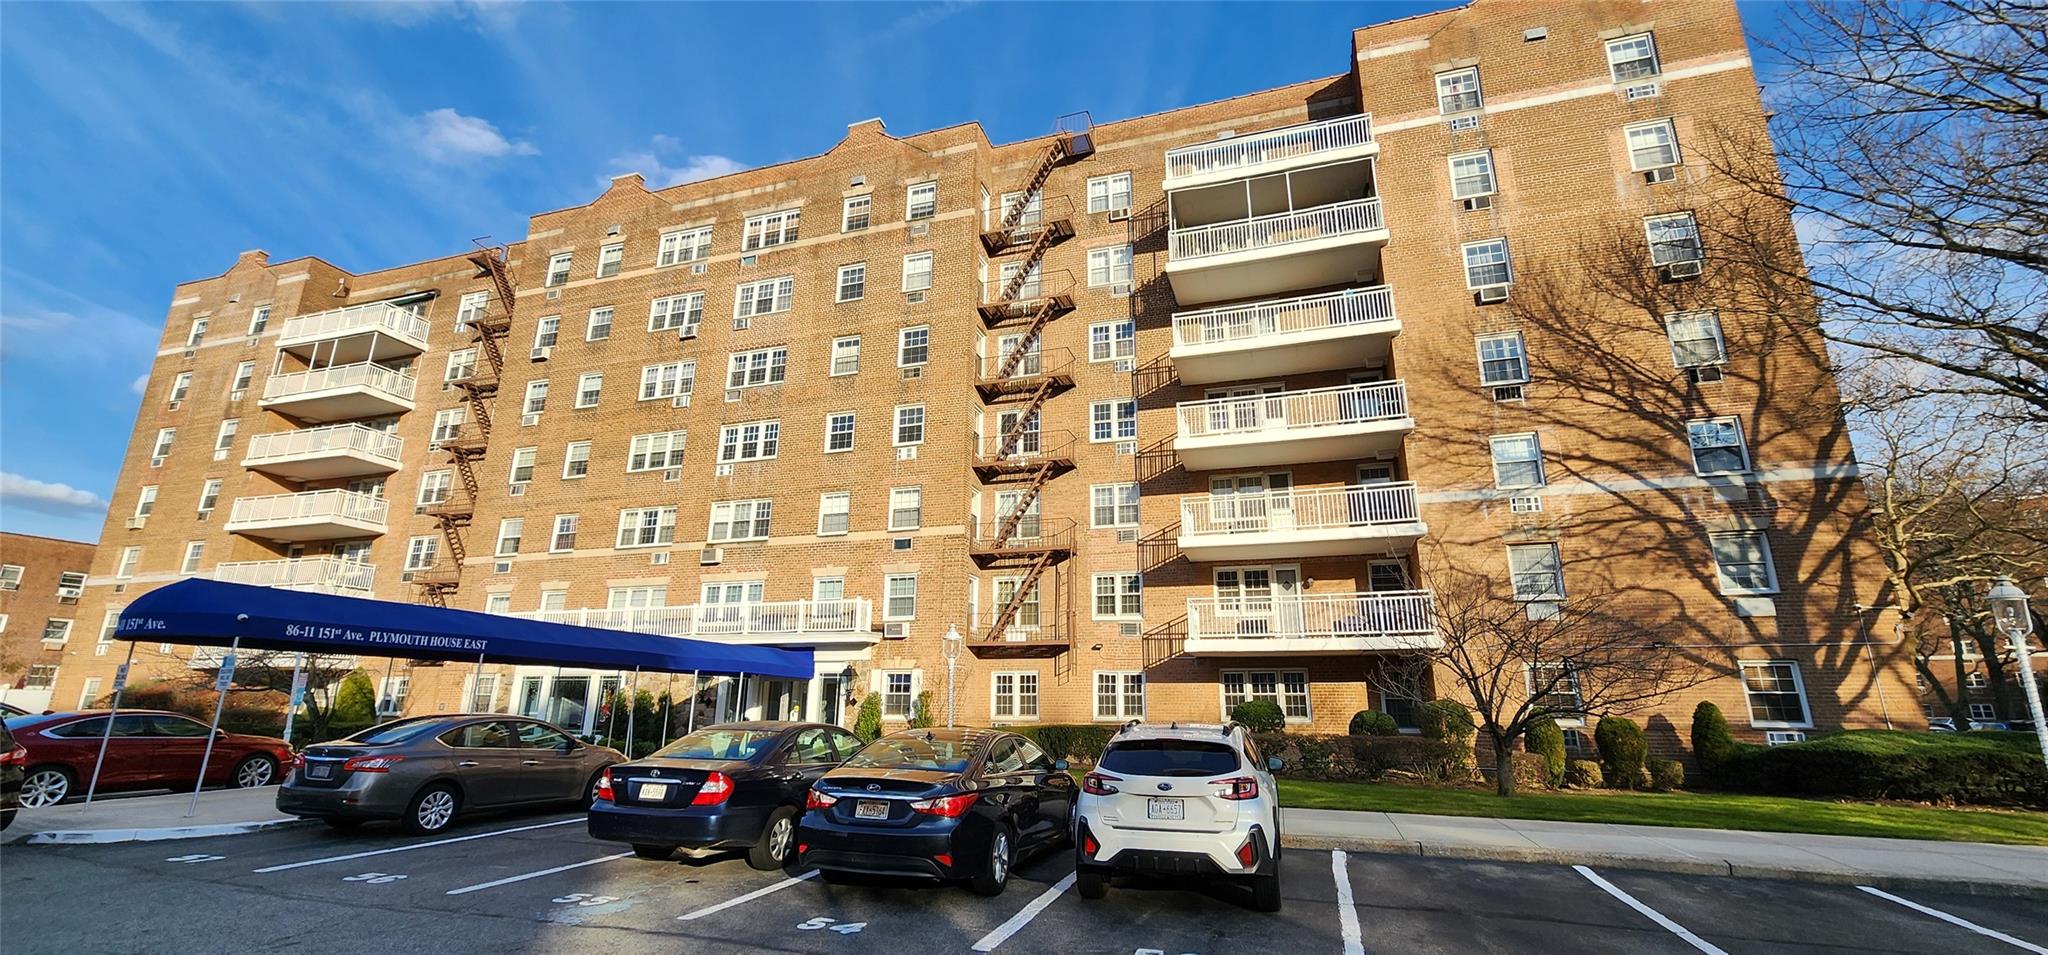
point(1974, 867)
point(221, 812)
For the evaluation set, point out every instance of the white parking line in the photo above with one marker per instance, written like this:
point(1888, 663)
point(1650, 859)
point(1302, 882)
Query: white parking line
point(1024, 916)
point(416, 845)
point(1650, 913)
point(749, 897)
point(479, 887)
point(1347, 910)
point(1953, 920)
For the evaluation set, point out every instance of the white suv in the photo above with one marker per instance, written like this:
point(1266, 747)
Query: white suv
point(1180, 799)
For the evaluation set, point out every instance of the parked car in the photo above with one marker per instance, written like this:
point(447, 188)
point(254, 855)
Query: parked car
point(1941, 724)
point(425, 771)
point(1996, 725)
point(946, 804)
point(12, 756)
point(148, 749)
point(9, 709)
point(1181, 799)
point(731, 786)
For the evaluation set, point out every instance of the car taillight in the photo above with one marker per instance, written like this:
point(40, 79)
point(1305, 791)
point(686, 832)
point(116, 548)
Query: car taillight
point(371, 764)
point(17, 756)
point(1099, 784)
point(814, 799)
point(1245, 852)
point(717, 789)
point(1089, 846)
point(948, 807)
point(604, 786)
point(1242, 787)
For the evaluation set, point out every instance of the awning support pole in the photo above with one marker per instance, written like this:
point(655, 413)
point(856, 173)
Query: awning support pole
point(476, 684)
point(120, 684)
point(739, 709)
point(389, 663)
point(220, 702)
point(292, 698)
point(632, 703)
point(611, 707)
point(696, 685)
point(668, 694)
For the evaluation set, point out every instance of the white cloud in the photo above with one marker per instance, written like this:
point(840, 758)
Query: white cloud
point(485, 14)
point(445, 135)
point(661, 175)
point(44, 497)
point(140, 384)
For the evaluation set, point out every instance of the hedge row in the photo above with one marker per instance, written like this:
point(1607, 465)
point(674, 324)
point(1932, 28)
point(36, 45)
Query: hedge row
point(1965, 768)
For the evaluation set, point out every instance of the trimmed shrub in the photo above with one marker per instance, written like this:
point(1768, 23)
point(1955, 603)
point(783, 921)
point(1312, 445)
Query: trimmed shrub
point(1373, 723)
point(1712, 744)
point(1666, 775)
point(1622, 751)
point(1545, 739)
point(1358, 758)
point(868, 724)
point(1447, 720)
point(1080, 742)
point(1991, 769)
point(921, 711)
point(1583, 774)
point(355, 701)
point(1259, 716)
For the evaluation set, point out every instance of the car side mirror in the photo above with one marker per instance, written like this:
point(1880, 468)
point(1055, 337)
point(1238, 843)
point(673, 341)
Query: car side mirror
point(1060, 764)
point(1275, 764)
point(567, 747)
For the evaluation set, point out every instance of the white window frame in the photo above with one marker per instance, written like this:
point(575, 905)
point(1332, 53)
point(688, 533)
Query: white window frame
point(1728, 584)
point(1639, 153)
point(916, 206)
point(683, 245)
point(558, 269)
point(917, 355)
point(1680, 223)
point(536, 397)
point(523, 462)
point(448, 424)
point(512, 529)
point(1533, 441)
point(852, 420)
point(195, 334)
point(589, 389)
point(858, 273)
point(1116, 504)
point(1450, 98)
point(756, 367)
point(145, 501)
point(209, 495)
point(746, 299)
point(865, 203)
point(435, 486)
point(672, 379)
point(1120, 687)
point(166, 439)
point(469, 308)
point(837, 504)
point(1109, 265)
point(245, 373)
point(573, 454)
point(1127, 588)
point(733, 442)
point(1721, 426)
point(1542, 551)
point(634, 525)
point(656, 451)
point(181, 386)
point(1623, 45)
point(917, 271)
point(563, 522)
point(771, 229)
point(1023, 703)
point(1480, 256)
point(682, 313)
point(1501, 341)
point(918, 421)
point(461, 365)
point(131, 558)
point(195, 552)
point(1281, 693)
point(1116, 420)
point(1798, 686)
point(890, 596)
point(737, 521)
point(845, 356)
point(1113, 341)
point(1710, 321)
point(1482, 161)
point(1103, 192)
point(547, 333)
point(898, 704)
point(259, 320)
point(421, 552)
point(613, 257)
point(591, 325)
point(904, 500)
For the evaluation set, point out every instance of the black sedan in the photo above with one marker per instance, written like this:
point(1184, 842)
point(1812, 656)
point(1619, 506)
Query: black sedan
point(731, 786)
point(947, 804)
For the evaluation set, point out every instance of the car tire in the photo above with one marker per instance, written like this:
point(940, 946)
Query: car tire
point(432, 809)
point(590, 790)
point(47, 786)
point(1091, 883)
point(7, 817)
point(657, 853)
point(1266, 884)
point(994, 874)
point(343, 823)
point(255, 772)
point(778, 839)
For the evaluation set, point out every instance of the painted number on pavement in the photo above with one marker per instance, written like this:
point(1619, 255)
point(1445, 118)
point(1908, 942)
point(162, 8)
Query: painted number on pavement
point(585, 898)
point(843, 928)
point(1155, 951)
point(372, 878)
point(195, 857)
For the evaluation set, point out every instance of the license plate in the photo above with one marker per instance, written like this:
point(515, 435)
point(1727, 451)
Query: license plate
point(870, 809)
point(319, 771)
point(654, 790)
point(1160, 807)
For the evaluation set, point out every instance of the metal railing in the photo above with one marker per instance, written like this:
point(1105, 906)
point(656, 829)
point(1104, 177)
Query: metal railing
point(365, 373)
point(1359, 505)
point(1277, 229)
point(1293, 316)
point(1282, 410)
point(850, 615)
point(331, 504)
point(1034, 532)
point(1037, 363)
point(355, 320)
point(332, 574)
point(339, 437)
point(1034, 624)
point(1388, 614)
point(1273, 145)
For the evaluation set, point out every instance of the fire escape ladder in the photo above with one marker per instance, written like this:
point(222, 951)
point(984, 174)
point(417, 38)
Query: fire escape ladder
point(1025, 418)
point(1018, 597)
point(453, 515)
point(1025, 499)
point(1028, 269)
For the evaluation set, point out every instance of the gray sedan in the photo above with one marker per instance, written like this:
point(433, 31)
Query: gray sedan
point(426, 770)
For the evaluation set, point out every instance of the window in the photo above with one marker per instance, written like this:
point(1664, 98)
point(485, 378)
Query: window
point(636, 598)
point(1517, 461)
point(1982, 711)
point(656, 452)
point(259, 319)
point(599, 328)
point(1113, 505)
point(1033, 211)
point(564, 537)
point(56, 630)
point(846, 356)
point(896, 694)
point(839, 431)
point(447, 425)
point(853, 213)
point(588, 388)
point(554, 600)
point(1109, 193)
point(470, 309)
point(421, 552)
point(1717, 446)
point(461, 365)
point(42, 676)
point(899, 601)
point(1112, 420)
point(921, 201)
point(197, 334)
point(1013, 696)
point(917, 272)
point(1118, 596)
point(1286, 688)
point(913, 346)
point(1652, 145)
point(71, 583)
point(10, 574)
point(828, 588)
point(853, 282)
point(764, 366)
point(1109, 341)
point(688, 245)
point(144, 502)
point(677, 313)
point(89, 692)
point(906, 508)
point(499, 603)
point(391, 695)
point(536, 397)
point(1632, 57)
point(909, 425)
point(225, 437)
point(772, 229)
point(195, 551)
point(834, 513)
point(647, 526)
point(1486, 264)
point(575, 460)
point(739, 521)
point(547, 331)
point(1458, 91)
point(764, 297)
point(609, 260)
point(1977, 680)
point(1673, 238)
point(164, 440)
point(558, 268)
point(509, 531)
point(1119, 695)
point(181, 386)
point(1695, 339)
point(1501, 361)
point(1554, 688)
point(1537, 571)
point(209, 495)
point(434, 487)
point(522, 464)
point(244, 372)
point(130, 557)
point(1742, 561)
point(1027, 289)
point(753, 441)
point(671, 380)
point(1472, 175)
point(1110, 266)
point(1777, 696)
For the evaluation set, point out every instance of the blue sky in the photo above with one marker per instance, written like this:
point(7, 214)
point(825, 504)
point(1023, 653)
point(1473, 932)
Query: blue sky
point(144, 145)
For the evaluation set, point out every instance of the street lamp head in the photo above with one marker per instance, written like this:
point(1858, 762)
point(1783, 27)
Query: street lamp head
point(953, 633)
point(2009, 608)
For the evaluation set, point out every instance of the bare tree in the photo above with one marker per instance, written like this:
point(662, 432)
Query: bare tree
point(263, 673)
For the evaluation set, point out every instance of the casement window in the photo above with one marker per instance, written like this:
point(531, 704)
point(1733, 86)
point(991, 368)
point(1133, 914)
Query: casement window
point(180, 387)
point(43, 676)
point(1109, 266)
point(656, 452)
point(897, 691)
point(447, 425)
point(899, 596)
point(558, 268)
point(1695, 339)
point(1632, 57)
point(224, 438)
point(522, 464)
point(1112, 421)
point(259, 319)
point(739, 521)
point(1109, 193)
point(917, 272)
point(906, 508)
point(470, 309)
point(765, 297)
point(563, 539)
point(752, 441)
point(1517, 460)
point(421, 552)
point(1013, 696)
point(195, 551)
point(145, 501)
point(834, 513)
point(1536, 571)
point(1118, 596)
point(762, 366)
point(846, 356)
point(130, 558)
point(853, 282)
point(197, 333)
point(576, 460)
point(165, 439)
point(536, 397)
point(434, 487)
point(1109, 341)
point(921, 201)
point(682, 314)
point(646, 526)
point(1119, 695)
point(636, 598)
point(839, 431)
point(1776, 694)
point(1458, 91)
point(671, 380)
point(610, 259)
point(913, 346)
point(599, 326)
point(1113, 505)
point(209, 496)
point(855, 212)
point(510, 529)
point(589, 387)
point(1717, 446)
point(1742, 563)
point(1553, 688)
point(1673, 238)
point(244, 373)
point(461, 365)
point(1486, 264)
point(1501, 360)
point(1287, 689)
point(547, 331)
point(1472, 175)
point(1652, 145)
point(687, 245)
point(909, 425)
point(770, 230)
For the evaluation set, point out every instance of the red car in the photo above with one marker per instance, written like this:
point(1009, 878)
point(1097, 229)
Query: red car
point(149, 749)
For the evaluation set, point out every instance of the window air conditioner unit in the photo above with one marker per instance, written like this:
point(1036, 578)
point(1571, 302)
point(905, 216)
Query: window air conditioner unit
point(1525, 504)
point(237, 395)
point(543, 353)
point(137, 523)
point(1781, 737)
point(698, 269)
point(204, 516)
point(742, 323)
point(1660, 174)
point(710, 556)
point(906, 454)
point(1703, 374)
point(529, 420)
point(554, 293)
point(899, 630)
point(732, 396)
point(679, 401)
point(920, 229)
point(1120, 288)
point(658, 559)
point(518, 490)
point(190, 352)
point(1508, 393)
point(502, 567)
point(405, 578)
point(1639, 91)
point(1120, 215)
point(250, 341)
point(1464, 124)
point(1689, 269)
point(156, 462)
point(1125, 365)
point(914, 298)
point(69, 595)
point(1127, 629)
point(220, 455)
point(175, 405)
point(672, 474)
point(723, 470)
point(1476, 203)
point(909, 373)
point(1492, 294)
point(1127, 447)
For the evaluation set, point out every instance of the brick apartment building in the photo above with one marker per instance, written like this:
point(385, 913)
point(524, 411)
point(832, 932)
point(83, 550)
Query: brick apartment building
point(1157, 414)
point(42, 583)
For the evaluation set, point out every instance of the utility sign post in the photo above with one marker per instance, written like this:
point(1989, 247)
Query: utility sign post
point(121, 678)
point(226, 678)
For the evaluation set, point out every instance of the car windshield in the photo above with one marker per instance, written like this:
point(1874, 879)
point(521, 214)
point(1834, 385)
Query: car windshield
point(1169, 757)
point(25, 722)
point(393, 732)
point(720, 744)
point(915, 752)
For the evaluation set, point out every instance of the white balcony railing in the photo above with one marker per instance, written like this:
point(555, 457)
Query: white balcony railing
point(1362, 505)
point(333, 438)
point(355, 320)
point(309, 506)
point(1390, 614)
point(1286, 410)
point(329, 574)
point(364, 374)
point(1293, 316)
point(1273, 145)
point(788, 617)
point(1278, 229)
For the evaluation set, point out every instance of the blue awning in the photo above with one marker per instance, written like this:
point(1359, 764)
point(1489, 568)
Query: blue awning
point(212, 613)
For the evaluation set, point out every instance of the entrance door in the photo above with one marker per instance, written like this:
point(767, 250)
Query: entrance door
point(529, 697)
point(1367, 506)
point(1245, 415)
point(1288, 619)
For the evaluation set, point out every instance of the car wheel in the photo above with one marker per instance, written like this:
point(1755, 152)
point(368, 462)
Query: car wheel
point(590, 791)
point(343, 823)
point(432, 809)
point(778, 837)
point(255, 771)
point(1266, 892)
point(1091, 883)
point(659, 853)
point(7, 817)
point(995, 870)
point(46, 786)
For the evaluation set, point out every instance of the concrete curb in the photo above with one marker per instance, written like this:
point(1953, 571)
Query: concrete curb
point(1649, 863)
point(74, 837)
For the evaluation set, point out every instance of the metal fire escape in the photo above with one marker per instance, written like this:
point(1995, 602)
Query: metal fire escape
point(467, 447)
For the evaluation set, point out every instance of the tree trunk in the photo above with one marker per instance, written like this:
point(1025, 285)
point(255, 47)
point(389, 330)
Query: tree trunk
point(1503, 767)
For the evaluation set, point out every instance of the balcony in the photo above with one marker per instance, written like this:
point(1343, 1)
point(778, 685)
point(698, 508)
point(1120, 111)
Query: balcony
point(1276, 525)
point(775, 623)
point(340, 392)
point(1281, 252)
point(1271, 151)
point(377, 331)
point(1033, 537)
point(327, 575)
point(318, 454)
point(1033, 631)
point(332, 514)
point(1335, 330)
point(1004, 375)
point(1347, 422)
point(1312, 625)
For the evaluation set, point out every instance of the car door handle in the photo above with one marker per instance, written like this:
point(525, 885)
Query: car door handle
point(465, 764)
point(529, 762)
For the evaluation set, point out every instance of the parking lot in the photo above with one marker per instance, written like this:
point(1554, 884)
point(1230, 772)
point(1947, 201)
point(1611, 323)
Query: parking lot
point(537, 883)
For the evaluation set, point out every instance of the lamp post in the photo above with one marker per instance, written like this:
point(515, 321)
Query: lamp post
point(2009, 613)
point(952, 644)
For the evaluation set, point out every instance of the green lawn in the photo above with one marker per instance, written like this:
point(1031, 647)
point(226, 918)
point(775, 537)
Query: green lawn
point(1700, 810)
